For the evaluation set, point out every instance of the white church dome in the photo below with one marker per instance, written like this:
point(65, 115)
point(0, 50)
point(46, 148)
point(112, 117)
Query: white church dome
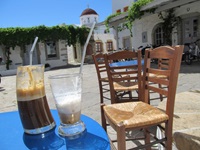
point(88, 16)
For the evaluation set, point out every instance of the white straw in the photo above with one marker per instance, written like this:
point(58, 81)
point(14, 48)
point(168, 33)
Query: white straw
point(85, 46)
point(32, 48)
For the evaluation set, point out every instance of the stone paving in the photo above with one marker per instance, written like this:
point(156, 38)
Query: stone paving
point(189, 77)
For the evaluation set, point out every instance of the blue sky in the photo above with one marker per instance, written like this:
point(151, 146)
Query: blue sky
point(29, 13)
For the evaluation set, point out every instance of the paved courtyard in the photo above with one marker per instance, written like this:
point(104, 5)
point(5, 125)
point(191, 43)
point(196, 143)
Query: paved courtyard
point(189, 77)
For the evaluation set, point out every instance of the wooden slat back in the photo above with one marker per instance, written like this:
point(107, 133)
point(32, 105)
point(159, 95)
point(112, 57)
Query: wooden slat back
point(130, 73)
point(166, 73)
point(100, 65)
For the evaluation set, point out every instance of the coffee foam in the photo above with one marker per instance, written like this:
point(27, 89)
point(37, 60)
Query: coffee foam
point(69, 104)
point(30, 82)
point(30, 93)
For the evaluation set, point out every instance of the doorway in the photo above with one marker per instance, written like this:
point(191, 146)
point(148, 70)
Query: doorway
point(127, 43)
point(190, 30)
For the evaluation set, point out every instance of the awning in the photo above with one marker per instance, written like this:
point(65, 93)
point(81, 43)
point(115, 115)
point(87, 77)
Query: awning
point(115, 20)
point(160, 5)
point(163, 5)
point(154, 4)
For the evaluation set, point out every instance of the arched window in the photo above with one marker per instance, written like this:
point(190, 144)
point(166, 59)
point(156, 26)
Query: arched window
point(158, 35)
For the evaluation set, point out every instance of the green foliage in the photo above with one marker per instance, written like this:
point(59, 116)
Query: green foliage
point(8, 62)
point(133, 14)
point(109, 18)
point(12, 37)
point(82, 35)
point(169, 22)
point(134, 10)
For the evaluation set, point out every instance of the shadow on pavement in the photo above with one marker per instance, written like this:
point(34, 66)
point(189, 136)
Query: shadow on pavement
point(66, 66)
point(2, 89)
point(193, 68)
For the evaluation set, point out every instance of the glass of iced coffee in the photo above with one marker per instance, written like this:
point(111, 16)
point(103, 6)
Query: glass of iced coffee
point(66, 89)
point(32, 103)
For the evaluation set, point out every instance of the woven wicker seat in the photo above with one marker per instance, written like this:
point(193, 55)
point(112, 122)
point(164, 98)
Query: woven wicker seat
point(105, 79)
point(125, 86)
point(158, 76)
point(135, 114)
point(118, 89)
point(130, 116)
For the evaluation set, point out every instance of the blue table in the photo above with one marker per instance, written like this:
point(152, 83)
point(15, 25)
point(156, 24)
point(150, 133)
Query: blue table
point(125, 63)
point(12, 136)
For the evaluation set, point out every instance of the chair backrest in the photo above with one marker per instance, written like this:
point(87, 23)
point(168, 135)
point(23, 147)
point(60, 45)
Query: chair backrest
point(123, 67)
point(100, 65)
point(102, 75)
point(171, 70)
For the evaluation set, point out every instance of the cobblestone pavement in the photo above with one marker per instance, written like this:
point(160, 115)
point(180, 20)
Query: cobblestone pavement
point(189, 77)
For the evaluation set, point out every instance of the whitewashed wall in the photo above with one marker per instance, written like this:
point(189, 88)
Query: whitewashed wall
point(84, 19)
point(99, 34)
point(124, 34)
point(70, 54)
point(15, 57)
point(63, 57)
point(147, 24)
point(61, 61)
point(188, 9)
point(120, 4)
point(104, 38)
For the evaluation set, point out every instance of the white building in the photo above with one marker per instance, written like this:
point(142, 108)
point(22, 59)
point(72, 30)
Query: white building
point(52, 53)
point(58, 53)
point(101, 41)
point(149, 29)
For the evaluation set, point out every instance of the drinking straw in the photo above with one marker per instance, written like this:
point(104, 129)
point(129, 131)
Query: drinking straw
point(32, 48)
point(85, 46)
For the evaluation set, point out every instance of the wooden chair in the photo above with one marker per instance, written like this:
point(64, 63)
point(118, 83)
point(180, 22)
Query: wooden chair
point(140, 115)
point(104, 88)
point(124, 79)
point(162, 64)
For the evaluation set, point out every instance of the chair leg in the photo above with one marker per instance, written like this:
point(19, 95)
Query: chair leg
point(130, 94)
point(103, 119)
point(161, 97)
point(101, 91)
point(147, 138)
point(121, 137)
point(168, 134)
